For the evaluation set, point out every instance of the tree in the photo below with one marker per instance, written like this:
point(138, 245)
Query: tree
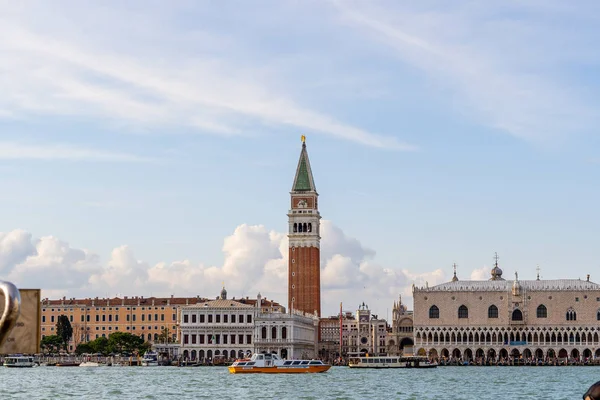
point(51, 344)
point(123, 342)
point(64, 330)
point(165, 336)
point(84, 348)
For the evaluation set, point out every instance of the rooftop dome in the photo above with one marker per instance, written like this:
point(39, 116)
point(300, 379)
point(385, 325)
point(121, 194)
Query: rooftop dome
point(496, 271)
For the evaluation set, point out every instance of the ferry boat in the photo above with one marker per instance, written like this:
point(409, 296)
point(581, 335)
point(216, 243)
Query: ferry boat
point(19, 361)
point(391, 362)
point(272, 364)
point(150, 359)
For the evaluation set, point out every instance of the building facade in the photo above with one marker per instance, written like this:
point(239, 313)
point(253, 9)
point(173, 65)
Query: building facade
point(362, 333)
point(222, 328)
point(507, 320)
point(304, 267)
point(153, 318)
point(290, 335)
point(400, 337)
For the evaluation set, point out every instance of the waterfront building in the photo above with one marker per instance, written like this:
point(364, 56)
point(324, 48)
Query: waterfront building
point(291, 335)
point(304, 267)
point(221, 328)
point(362, 333)
point(500, 319)
point(154, 318)
point(400, 338)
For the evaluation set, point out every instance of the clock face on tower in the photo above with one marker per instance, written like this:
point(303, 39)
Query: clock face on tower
point(302, 203)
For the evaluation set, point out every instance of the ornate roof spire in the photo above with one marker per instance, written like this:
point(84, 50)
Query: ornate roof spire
point(496, 271)
point(454, 278)
point(538, 272)
point(303, 181)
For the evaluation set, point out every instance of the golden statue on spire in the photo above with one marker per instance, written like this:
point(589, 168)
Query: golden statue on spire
point(303, 138)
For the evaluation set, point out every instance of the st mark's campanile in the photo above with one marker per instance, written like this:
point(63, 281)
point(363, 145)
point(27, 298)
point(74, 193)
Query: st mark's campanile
point(304, 272)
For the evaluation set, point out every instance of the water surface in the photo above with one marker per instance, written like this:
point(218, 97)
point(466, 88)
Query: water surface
point(482, 383)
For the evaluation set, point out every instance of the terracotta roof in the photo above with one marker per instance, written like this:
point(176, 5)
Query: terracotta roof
point(147, 301)
point(125, 301)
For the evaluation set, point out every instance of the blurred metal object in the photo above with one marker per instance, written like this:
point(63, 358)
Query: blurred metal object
point(12, 307)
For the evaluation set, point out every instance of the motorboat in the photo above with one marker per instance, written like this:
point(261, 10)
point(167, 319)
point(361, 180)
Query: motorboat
point(391, 362)
point(273, 364)
point(89, 364)
point(19, 361)
point(150, 359)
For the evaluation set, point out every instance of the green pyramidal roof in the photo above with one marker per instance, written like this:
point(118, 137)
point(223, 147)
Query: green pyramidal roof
point(303, 181)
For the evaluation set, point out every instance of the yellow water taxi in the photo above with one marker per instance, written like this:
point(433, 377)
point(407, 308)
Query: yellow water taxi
point(272, 364)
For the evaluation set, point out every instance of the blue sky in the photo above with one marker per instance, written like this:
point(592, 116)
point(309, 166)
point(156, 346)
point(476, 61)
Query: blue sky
point(438, 133)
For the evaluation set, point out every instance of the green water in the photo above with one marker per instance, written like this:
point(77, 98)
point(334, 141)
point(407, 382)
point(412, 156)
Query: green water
point(338, 383)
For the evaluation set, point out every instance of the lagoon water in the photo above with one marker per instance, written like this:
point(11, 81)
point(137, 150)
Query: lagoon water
point(481, 383)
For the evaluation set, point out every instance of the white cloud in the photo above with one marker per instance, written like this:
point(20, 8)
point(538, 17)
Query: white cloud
point(480, 274)
point(22, 151)
point(255, 261)
point(505, 72)
point(62, 73)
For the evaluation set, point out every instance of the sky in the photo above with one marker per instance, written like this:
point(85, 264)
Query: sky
point(149, 147)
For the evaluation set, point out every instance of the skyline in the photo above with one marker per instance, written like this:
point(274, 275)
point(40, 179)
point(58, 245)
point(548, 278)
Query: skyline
point(165, 139)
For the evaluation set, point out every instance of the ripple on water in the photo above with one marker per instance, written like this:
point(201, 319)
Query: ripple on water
point(481, 383)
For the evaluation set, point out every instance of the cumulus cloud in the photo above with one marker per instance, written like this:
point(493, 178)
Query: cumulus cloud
point(255, 261)
point(480, 274)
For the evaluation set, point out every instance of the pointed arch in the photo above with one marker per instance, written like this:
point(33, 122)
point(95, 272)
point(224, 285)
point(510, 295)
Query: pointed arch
point(434, 312)
point(492, 311)
point(517, 315)
point(542, 311)
point(463, 312)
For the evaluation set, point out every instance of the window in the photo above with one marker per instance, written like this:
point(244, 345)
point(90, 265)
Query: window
point(174, 317)
point(144, 317)
point(241, 339)
point(87, 318)
point(434, 312)
point(492, 311)
point(201, 318)
point(517, 315)
point(248, 318)
point(162, 317)
point(133, 316)
point(232, 339)
point(241, 319)
point(571, 315)
point(542, 311)
point(463, 312)
point(185, 318)
point(263, 334)
point(598, 315)
point(103, 317)
point(193, 318)
point(248, 339)
point(225, 317)
point(127, 318)
point(52, 318)
point(110, 318)
point(117, 317)
point(82, 317)
point(43, 318)
point(210, 319)
point(218, 318)
point(233, 319)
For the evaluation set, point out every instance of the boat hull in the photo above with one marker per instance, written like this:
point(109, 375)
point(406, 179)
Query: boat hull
point(278, 369)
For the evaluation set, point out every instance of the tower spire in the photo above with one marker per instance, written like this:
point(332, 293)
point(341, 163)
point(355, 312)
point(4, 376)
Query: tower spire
point(303, 180)
point(454, 278)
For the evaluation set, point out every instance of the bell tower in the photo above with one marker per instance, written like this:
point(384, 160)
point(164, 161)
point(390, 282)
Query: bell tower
point(304, 267)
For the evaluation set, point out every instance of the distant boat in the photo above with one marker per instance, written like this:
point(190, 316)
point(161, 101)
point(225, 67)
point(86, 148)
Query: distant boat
point(150, 359)
point(19, 361)
point(272, 364)
point(391, 362)
point(89, 364)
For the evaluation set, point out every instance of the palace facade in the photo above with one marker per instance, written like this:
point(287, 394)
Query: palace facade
point(502, 319)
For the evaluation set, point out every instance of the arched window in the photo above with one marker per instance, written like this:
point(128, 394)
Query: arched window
point(598, 315)
point(284, 333)
point(492, 311)
point(263, 333)
point(274, 332)
point(434, 312)
point(571, 315)
point(463, 312)
point(295, 227)
point(517, 315)
point(309, 227)
point(542, 311)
